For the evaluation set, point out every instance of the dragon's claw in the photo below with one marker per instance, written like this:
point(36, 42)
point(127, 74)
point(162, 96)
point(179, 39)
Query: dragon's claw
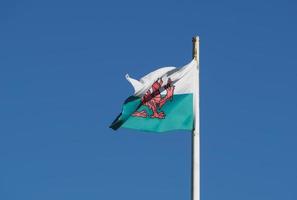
point(160, 115)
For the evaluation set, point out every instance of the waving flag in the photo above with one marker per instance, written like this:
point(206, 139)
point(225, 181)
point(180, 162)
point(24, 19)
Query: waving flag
point(163, 100)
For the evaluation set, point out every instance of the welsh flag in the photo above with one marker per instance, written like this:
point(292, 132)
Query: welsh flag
point(163, 100)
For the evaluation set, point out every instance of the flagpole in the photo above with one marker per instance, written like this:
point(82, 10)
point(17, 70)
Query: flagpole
point(196, 129)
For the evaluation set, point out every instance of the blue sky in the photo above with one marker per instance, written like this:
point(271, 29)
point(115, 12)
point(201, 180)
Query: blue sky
point(62, 67)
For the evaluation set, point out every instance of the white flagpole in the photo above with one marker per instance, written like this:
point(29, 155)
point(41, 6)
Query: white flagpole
point(196, 130)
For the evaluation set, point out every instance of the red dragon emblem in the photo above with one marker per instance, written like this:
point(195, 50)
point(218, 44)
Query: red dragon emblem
point(154, 101)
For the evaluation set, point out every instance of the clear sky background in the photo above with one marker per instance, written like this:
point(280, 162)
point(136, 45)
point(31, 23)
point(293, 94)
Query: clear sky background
point(62, 67)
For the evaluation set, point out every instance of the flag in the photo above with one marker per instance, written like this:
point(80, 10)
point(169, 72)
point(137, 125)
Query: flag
point(163, 100)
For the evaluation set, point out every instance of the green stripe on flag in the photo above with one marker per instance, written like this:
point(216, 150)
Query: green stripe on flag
point(178, 115)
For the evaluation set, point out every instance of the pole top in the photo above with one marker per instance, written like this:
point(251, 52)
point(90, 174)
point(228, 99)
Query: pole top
point(195, 41)
point(195, 38)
